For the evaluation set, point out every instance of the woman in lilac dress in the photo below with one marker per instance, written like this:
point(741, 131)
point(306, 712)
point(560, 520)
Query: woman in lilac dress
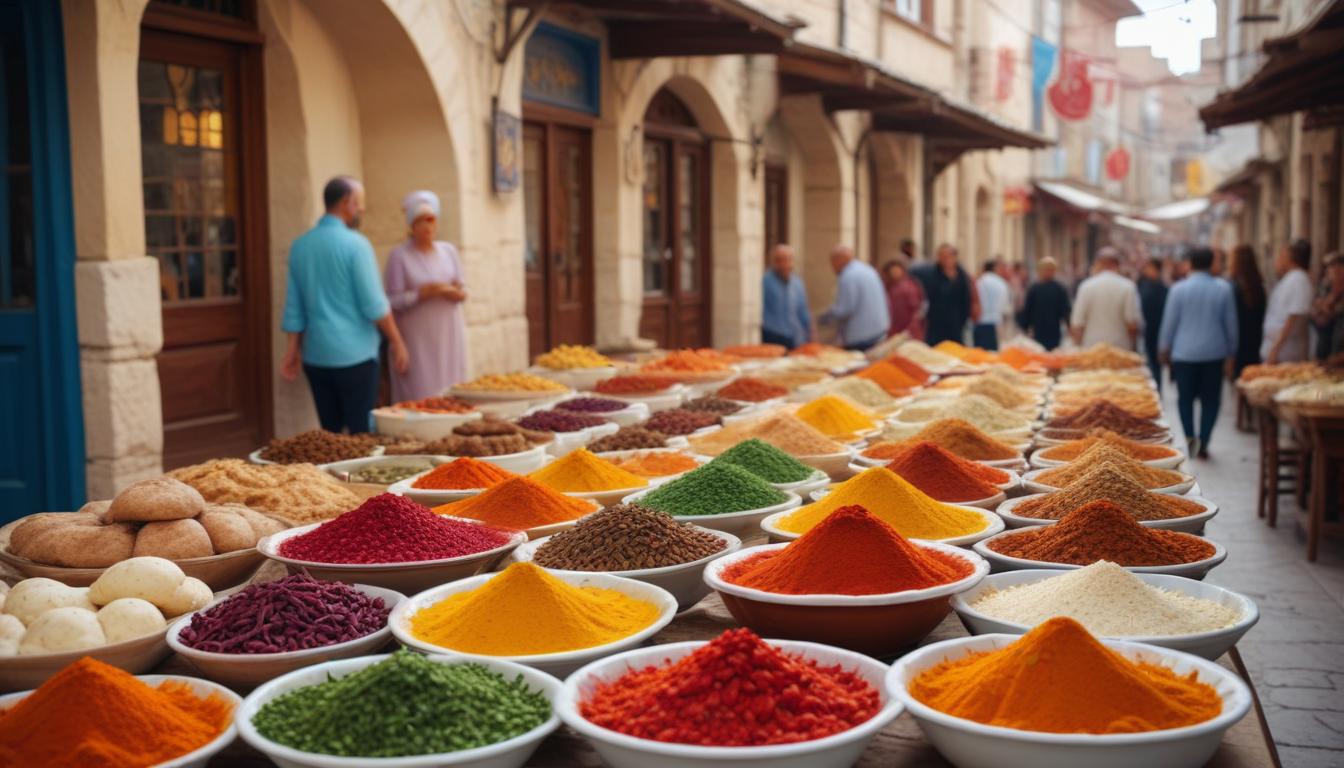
point(425, 284)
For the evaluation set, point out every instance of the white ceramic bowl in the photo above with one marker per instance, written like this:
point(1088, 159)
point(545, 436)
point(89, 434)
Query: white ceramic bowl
point(833, 464)
point(401, 577)
point(137, 655)
point(968, 744)
point(993, 525)
point(575, 378)
point(1189, 524)
point(990, 502)
point(249, 669)
point(521, 462)
point(685, 581)
point(420, 425)
point(1032, 485)
point(512, 753)
point(530, 397)
point(817, 479)
point(343, 469)
point(618, 455)
point(198, 758)
point(1195, 570)
point(655, 401)
point(568, 442)
point(630, 415)
point(740, 524)
point(621, 751)
point(611, 498)
point(1208, 645)
point(558, 664)
point(431, 497)
point(1168, 462)
point(255, 457)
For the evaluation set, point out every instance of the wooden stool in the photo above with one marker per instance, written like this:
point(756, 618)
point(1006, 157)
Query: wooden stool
point(1326, 433)
point(1245, 413)
point(1274, 458)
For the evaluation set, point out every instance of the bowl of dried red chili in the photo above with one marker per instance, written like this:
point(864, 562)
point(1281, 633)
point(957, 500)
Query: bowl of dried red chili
point(638, 707)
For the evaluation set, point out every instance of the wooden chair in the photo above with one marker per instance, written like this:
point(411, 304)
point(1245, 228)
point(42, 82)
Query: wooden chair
point(1275, 458)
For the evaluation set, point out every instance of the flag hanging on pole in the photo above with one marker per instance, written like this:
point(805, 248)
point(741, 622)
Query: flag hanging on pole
point(1042, 64)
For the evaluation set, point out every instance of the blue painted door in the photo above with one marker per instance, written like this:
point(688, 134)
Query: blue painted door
point(41, 432)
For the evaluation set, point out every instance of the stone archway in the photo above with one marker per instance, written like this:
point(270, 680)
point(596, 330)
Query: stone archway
point(892, 209)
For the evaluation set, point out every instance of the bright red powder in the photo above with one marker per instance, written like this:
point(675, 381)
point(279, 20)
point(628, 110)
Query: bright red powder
point(737, 691)
point(391, 529)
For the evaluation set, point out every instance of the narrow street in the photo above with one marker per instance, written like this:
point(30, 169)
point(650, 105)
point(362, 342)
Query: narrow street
point(1296, 653)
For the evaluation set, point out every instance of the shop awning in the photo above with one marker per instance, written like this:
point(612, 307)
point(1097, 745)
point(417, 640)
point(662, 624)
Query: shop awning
point(1138, 225)
point(1305, 70)
point(652, 28)
point(1240, 182)
point(1181, 209)
point(1081, 199)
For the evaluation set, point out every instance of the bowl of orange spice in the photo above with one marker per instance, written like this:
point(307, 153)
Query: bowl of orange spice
point(456, 480)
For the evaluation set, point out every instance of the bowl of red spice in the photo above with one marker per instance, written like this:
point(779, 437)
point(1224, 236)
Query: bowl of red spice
point(663, 707)
point(392, 542)
point(1184, 513)
point(851, 581)
point(1159, 707)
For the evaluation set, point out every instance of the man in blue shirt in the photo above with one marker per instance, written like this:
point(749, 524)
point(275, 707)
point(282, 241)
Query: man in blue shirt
point(334, 308)
point(1198, 339)
point(860, 306)
point(784, 318)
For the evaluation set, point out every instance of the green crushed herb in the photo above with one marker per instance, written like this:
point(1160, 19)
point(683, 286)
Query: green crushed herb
point(714, 489)
point(404, 705)
point(766, 462)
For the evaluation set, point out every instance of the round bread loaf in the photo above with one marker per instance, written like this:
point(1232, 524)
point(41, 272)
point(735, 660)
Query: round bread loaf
point(228, 530)
point(158, 499)
point(34, 525)
point(262, 525)
point(173, 540)
point(80, 544)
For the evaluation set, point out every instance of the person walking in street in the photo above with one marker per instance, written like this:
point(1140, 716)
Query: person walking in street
point(905, 299)
point(1046, 307)
point(1248, 288)
point(1198, 339)
point(426, 287)
point(334, 309)
point(1327, 311)
point(1285, 329)
point(785, 319)
point(952, 298)
point(1152, 300)
point(995, 305)
point(1106, 310)
point(860, 307)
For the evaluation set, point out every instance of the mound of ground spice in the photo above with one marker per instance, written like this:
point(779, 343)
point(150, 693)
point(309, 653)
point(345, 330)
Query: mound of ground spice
point(629, 439)
point(462, 474)
point(751, 390)
point(680, 421)
point(656, 463)
point(957, 436)
point(1100, 413)
point(520, 503)
point(999, 391)
point(836, 417)
point(686, 361)
point(1049, 679)
point(714, 489)
point(944, 476)
point(1105, 483)
point(715, 405)
point(766, 462)
point(391, 529)
point(976, 409)
point(632, 385)
point(1131, 448)
point(876, 560)
point(890, 377)
point(626, 537)
point(580, 471)
point(896, 502)
point(736, 691)
point(1102, 531)
point(911, 368)
point(785, 431)
point(1104, 453)
point(864, 393)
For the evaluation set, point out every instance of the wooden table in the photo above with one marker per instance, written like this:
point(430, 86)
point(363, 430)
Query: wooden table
point(1323, 429)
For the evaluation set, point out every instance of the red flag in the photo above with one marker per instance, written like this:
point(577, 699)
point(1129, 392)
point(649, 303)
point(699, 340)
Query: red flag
point(1071, 95)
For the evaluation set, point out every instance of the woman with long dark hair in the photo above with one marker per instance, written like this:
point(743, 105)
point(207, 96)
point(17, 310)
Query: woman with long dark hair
point(1248, 287)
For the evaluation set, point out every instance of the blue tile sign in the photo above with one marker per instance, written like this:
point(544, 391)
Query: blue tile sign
point(562, 68)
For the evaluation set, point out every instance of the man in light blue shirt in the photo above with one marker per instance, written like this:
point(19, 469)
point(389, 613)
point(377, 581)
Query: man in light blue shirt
point(785, 318)
point(334, 308)
point(995, 303)
point(860, 306)
point(1198, 338)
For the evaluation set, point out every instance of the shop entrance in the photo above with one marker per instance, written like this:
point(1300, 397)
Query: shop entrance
point(676, 226)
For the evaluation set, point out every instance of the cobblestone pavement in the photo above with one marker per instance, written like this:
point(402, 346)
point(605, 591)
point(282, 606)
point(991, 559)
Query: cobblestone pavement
point(1296, 653)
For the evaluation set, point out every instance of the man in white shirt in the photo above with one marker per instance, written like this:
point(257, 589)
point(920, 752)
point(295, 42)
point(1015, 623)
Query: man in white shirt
point(995, 303)
point(1107, 308)
point(1286, 335)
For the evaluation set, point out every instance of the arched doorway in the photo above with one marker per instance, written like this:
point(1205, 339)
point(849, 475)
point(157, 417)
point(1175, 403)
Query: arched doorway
point(676, 249)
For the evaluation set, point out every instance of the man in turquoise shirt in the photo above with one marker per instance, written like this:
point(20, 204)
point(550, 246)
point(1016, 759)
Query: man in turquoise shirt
point(334, 309)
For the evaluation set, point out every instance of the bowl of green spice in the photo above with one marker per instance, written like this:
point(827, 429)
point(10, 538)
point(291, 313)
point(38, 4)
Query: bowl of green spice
point(774, 466)
point(722, 497)
point(404, 710)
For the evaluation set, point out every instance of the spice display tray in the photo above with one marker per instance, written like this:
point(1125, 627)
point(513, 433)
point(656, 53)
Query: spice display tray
point(685, 581)
point(255, 457)
point(621, 751)
point(1189, 524)
point(993, 526)
point(1207, 645)
point(419, 425)
point(739, 524)
point(401, 577)
point(1030, 483)
point(1176, 459)
point(558, 664)
point(140, 654)
point(1001, 563)
point(198, 758)
point(877, 625)
point(250, 669)
point(969, 744)
point(511, 753)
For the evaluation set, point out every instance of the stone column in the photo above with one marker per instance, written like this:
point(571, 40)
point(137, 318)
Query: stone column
point(116, 284)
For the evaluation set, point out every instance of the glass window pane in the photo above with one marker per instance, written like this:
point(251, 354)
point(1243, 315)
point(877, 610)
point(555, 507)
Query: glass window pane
point(688, 208)
point(655, 216)
point(160, 231)
point(170, 278)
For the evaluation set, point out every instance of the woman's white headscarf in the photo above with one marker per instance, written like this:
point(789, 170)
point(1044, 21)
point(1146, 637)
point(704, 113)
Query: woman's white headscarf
point(420, 203)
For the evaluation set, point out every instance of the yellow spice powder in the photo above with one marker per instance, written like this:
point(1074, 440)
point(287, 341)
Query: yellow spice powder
point(835, 417)
point(893, 500)
point(526, 611)
point(582, 471)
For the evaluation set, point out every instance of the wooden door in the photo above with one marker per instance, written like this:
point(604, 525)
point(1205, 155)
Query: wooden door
point(677, 291)
point(557, 176)
point(204, 222)
point(776, 207)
